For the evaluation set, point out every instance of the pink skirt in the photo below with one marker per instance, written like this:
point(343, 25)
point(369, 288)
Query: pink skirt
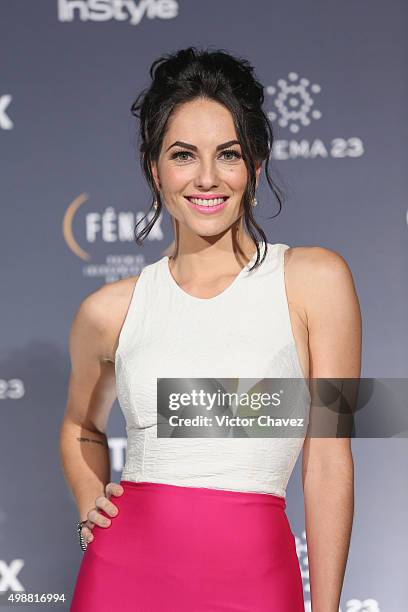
point(172, 548)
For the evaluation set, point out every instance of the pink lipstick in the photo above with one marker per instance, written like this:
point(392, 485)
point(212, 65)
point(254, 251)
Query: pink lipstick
point(211, 208)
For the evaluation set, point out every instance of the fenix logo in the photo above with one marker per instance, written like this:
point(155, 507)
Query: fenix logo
point(119, 10)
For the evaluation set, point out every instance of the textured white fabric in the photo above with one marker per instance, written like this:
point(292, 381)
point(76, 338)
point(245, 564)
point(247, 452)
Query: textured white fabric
point(244, 332)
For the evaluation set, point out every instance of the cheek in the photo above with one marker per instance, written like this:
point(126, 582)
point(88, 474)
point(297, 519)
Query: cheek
point(175, 178)
point(237, 178)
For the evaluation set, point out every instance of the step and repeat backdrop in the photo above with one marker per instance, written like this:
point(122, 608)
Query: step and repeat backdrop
point(72, 191)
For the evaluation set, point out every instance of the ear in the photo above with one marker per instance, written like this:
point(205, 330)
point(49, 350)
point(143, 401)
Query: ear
point(258, 171)
point(155, 175)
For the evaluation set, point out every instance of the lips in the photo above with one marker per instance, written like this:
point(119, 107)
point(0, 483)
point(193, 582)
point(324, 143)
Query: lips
point(202, 196)
point(205, 207)
point(207, 199)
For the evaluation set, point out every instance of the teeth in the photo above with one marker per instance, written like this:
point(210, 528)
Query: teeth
point(212, 202)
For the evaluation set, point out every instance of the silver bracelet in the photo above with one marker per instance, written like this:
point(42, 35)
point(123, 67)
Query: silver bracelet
point(82, 543)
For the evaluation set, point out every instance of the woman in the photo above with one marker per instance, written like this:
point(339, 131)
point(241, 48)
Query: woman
point(199, 524)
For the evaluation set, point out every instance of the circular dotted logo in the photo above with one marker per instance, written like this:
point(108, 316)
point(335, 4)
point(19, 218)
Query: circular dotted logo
point(294, 102)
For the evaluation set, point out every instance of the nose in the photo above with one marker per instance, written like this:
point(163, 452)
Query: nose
point(206, 176)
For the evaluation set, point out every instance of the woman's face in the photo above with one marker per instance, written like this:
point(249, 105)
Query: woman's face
point(207, 161)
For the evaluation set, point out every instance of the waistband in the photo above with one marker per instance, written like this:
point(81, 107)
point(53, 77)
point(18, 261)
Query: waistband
point(169, 489)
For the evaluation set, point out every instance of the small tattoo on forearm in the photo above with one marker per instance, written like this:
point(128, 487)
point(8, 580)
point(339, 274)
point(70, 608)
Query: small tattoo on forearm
point(90, 440)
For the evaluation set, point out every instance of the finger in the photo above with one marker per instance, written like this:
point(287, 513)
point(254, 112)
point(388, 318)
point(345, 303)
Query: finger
point(89, 522)
point(103, 503)
point(113, 488)
point(89, 525)
point(98, 518)
point(87, 534)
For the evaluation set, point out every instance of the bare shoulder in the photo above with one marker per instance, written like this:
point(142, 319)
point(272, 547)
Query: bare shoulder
point(315, 260)
point(101, 314)
point(318, 276)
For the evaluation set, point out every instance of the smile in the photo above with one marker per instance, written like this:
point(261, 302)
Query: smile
point(208, 202)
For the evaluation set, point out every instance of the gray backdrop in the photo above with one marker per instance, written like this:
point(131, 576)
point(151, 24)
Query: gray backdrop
point(72, 191)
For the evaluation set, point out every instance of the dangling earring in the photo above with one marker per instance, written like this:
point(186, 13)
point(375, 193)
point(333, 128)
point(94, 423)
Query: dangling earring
point(155, 203)
point(254, 201)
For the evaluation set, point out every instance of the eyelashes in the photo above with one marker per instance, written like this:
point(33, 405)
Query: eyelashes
point(177, 154)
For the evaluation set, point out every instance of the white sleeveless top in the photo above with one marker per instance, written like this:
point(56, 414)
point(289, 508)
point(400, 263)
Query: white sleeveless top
point(243, 332)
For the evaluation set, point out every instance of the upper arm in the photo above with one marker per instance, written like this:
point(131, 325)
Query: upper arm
point(334, 325)
point(92, 389)
point(334, 318)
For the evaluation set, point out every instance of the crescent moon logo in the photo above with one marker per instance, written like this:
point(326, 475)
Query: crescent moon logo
point(67, 224)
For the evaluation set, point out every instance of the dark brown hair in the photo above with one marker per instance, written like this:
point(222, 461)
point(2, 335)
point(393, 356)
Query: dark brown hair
point(186, 75)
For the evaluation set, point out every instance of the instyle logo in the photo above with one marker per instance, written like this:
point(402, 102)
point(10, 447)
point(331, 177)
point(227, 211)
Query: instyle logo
point(293, 101)
point(5, 121)
point(118, 10)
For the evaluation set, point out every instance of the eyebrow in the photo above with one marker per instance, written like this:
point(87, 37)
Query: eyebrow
point(179, 143)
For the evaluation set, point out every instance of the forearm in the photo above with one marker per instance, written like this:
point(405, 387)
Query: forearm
point(329, 508)
point(86, 464)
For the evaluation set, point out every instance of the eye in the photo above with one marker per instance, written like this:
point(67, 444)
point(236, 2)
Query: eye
point(234, 153)
point(178, 154)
